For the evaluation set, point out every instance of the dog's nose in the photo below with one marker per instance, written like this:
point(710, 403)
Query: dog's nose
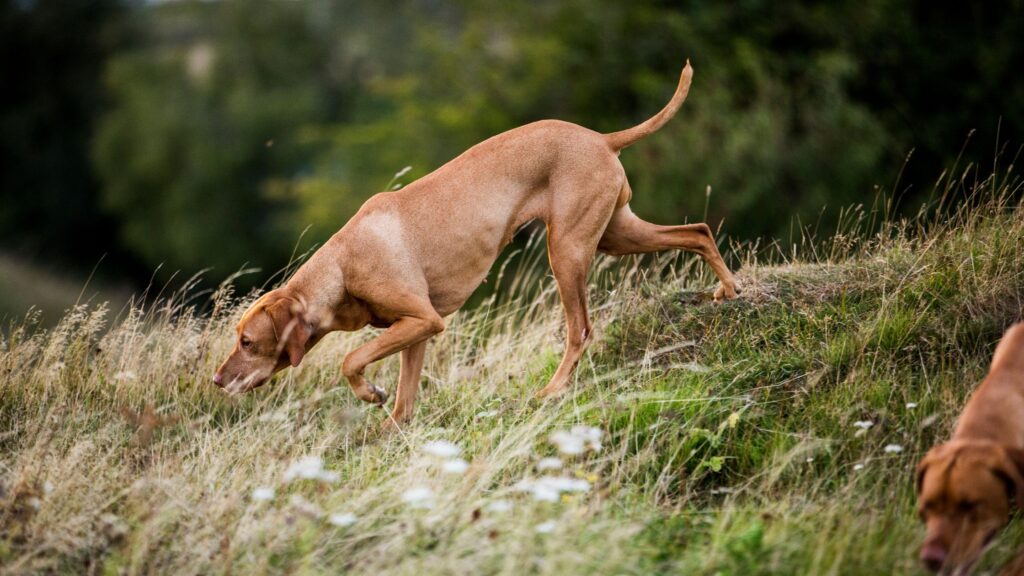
point(933, 557)
point(218, 379)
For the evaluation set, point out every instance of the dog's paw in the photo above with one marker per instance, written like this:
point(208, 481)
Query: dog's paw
point(727, 292)
point(372, 394)
point(395, 422)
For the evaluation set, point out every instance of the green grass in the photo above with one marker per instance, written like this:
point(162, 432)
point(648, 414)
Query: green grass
point(728, 430)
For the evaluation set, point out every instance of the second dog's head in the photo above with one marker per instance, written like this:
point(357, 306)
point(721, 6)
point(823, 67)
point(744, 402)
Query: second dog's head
point(272, 335)
point(965, 490)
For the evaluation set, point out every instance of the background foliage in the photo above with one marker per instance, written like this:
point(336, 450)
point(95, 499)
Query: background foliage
point(198, 134)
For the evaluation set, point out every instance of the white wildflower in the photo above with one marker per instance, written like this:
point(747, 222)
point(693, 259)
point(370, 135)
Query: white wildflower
point(893, 449)
point(911, 405)
point(550, 463)
point(499, 506)
point(546, 528)
point(577, 440)
point(309, 468)
point(441, 449)
point(858, 467)
point(304, 507)
point(567, 443)
point(342, 519)
point(863, 424)
point(419, 497)
point(810, 459)
point(263, 494)
point(550, 488)
point(455, 466)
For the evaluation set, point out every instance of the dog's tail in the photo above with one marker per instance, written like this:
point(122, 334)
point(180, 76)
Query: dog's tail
point(619, 140)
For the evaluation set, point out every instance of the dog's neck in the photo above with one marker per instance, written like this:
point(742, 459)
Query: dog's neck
point(994, 410)
point(320, 287)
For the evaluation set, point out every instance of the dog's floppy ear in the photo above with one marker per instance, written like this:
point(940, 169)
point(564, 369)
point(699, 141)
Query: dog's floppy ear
point(292, 329)
point(1011, 469)
point(934, 454)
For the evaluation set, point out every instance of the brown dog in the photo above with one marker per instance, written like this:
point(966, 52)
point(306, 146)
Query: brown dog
point(409, 258)
point(966, 486)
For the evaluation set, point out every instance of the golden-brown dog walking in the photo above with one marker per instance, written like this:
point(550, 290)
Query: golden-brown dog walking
point(966, 486)
point(411, 257)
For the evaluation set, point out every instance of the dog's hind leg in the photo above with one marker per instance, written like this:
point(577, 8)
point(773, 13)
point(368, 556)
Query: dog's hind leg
point(571, 275)
point(572, 241)
point(628, 234)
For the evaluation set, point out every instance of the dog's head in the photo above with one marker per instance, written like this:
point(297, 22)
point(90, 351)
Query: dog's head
point(965, 490)
point(272, 334)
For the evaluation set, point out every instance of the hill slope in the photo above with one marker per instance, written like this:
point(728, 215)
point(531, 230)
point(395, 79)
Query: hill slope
point(774, 434)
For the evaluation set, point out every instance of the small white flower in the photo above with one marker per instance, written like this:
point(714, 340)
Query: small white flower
point(441, 449)
point(124, 375)
point(499, 506)
point(545, 493)
point(304, 507)
point(567, 443)
point(577, 440)
point(342, 519)
point(263, 494)
point(911, 405)
point(863, 424)
point(590, 434)
point(550, 463)
point(455, 466)
point(309, 468)
point(550, 488)
point(419, 497)
point(893, 449)
point(328, 476)
point(858, 467)
point(546, 528)
point(810, 459)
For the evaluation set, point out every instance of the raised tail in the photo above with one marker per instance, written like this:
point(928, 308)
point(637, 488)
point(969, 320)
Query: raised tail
point(619, 140)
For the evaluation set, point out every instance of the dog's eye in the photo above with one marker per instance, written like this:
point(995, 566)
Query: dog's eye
point(967, 505)
point(246, 343)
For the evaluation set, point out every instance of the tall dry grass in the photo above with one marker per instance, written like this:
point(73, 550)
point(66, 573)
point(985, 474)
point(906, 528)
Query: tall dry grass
point(770, 435)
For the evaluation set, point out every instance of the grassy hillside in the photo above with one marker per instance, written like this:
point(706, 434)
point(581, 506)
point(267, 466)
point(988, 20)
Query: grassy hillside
point(774, 434)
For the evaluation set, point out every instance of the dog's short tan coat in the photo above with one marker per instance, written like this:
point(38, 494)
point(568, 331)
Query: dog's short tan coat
point(411, 257)
point(966, 486)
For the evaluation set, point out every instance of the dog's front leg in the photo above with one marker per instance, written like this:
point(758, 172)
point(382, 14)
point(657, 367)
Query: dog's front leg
point(406, 332)
point(408, 384)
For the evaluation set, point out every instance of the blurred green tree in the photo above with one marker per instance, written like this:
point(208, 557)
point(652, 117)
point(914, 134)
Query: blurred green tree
point(239, 125)
point(206, 122)
point(52, 54)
